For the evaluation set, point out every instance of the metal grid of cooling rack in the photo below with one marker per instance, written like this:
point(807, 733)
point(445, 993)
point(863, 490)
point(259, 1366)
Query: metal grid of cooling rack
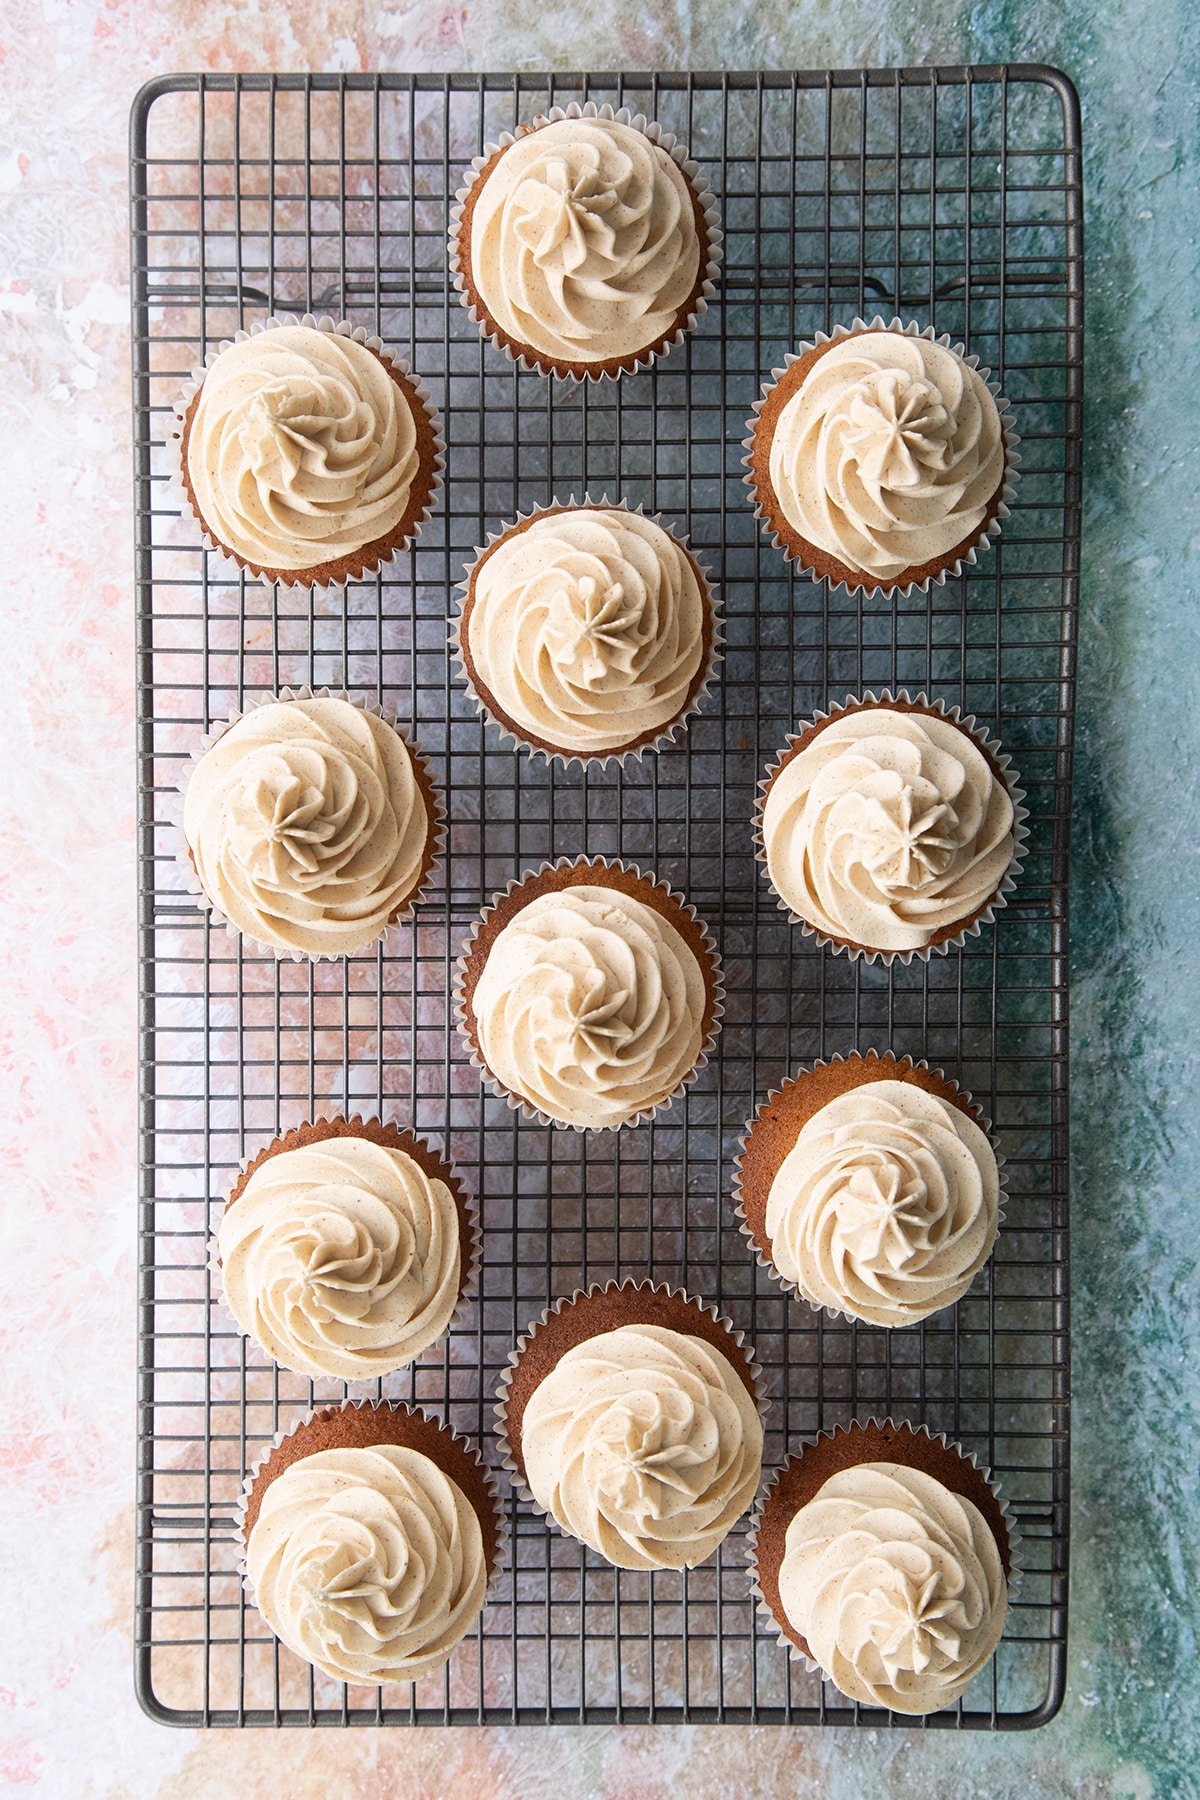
point(951, 195)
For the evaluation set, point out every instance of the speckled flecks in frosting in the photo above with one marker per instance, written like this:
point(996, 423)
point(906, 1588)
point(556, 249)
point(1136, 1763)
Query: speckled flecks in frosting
point(887, 828)
point(889, 453)
point(587, 628)
point(307, 826)
point(885, 1208)
point(341, 1257)
point(368, 1562)
point(584, 243)
point(301, 449)
point(645, 1444)
point(897, 1586)
point(590, 1006)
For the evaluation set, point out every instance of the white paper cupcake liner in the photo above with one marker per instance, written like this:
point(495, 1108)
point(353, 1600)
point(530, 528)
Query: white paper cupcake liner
point(437, 826)
point(468, 1292)
point(764, 1261)
point(530, 359)
point(631, 1285)
point(254, 1469)
point(998, 901)
point(868, 587)
point(517, 1102)
point(177, 494)
point(776, 1630)
point(675, 727)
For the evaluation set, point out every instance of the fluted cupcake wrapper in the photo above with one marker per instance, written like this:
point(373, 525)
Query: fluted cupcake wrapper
point(437, 826)
point(254, 1470)
point(763, 1259)
point(180, 499)
point(955, 716)
point(675, 726)
point(518, 1102)
point(528, 358)
point(870, 586)
point(763, 1606)
point(464, 1201)
point(630, 1285)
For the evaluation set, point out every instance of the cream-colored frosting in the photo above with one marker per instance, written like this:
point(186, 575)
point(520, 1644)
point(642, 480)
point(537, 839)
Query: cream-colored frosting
point(896, 1585)
point(885, 1208)
point(302, 448)
point(587, 628)
point(368, 1562)
point(889, 453)
point(583, 241)
point(307, 826)
point(645, 1444)
point(341, 1257)
point(887, 828)
point(590, 1006)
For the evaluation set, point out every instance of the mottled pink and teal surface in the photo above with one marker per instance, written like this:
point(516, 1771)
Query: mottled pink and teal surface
point(69, 1724)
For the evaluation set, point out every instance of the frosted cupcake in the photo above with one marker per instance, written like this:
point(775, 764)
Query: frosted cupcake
point(309, 455)
point(630, 1414)
point(589, 995)
point(882, 1556)
point(310, 824)
point(889, 827)
point(585, 243)
point(881, 457)
point(370, 1534)
point(345, 1249)
point(586, 631)
point(871, 1188)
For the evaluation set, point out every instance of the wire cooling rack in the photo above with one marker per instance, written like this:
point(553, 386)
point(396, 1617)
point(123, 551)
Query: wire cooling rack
point(949, 195)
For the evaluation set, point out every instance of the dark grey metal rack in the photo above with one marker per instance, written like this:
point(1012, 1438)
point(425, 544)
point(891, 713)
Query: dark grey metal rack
point(951, 195)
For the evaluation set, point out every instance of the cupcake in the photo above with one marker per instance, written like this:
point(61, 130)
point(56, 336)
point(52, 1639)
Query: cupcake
point(371, 1533)
point(882, 1556)
point(631, 1415)
point(308, 453)
point(345, 1249)
point(585, 243)
point(881, 457)
point(310, 825)
point(870, 1187)
point(589, 995)
point(890, 827)
point(586, 632)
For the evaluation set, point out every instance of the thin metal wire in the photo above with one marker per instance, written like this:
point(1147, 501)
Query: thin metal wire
point(959, 192)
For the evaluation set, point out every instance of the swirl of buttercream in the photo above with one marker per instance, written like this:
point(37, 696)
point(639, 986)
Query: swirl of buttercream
point(368, 1562)
point(307, 826)
point(885, 1208)
point(896, 1585)
point(341, 1257)
point(889, 453)
point(590, 1006)
point(584, 244)
point(301, 448)
point(587, 628)
point(887, 828)
point(644, 1444)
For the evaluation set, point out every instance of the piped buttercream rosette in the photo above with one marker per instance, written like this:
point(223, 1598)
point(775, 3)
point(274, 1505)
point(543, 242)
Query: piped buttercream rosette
point(306, 452)
point(883, 1556)
point(309, 824)
point(882, 457)
point(890, 828)
point(588, 632)
point(586, 243)
point(631, 1416)
point(589, 995)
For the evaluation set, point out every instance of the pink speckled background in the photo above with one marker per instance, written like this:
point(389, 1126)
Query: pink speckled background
point(69, 1724)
